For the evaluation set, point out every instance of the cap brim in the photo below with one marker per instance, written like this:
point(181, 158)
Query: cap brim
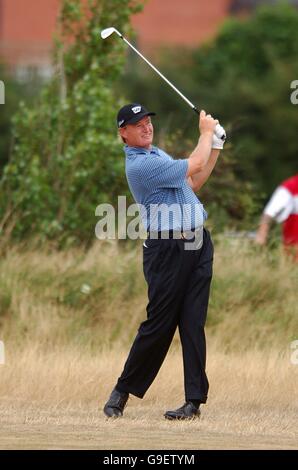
point(138, 117)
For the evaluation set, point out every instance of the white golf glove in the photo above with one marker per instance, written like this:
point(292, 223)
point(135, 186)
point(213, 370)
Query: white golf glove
point(218, 143)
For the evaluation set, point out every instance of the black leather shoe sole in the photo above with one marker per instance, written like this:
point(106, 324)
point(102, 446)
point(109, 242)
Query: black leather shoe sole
point(181, 417)
point(112, 412)
point(187, 412)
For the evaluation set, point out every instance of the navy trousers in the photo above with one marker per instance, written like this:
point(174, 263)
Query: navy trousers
point(178, 292)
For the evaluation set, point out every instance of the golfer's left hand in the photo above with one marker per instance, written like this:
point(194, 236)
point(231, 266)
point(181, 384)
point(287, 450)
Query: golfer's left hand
point(218, 143)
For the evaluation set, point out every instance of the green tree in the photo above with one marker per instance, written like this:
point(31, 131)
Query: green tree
point(243, 77)
point(13, 94)
point(66, 157)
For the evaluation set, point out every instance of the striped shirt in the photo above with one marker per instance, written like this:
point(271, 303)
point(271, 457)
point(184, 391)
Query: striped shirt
point(159, 186)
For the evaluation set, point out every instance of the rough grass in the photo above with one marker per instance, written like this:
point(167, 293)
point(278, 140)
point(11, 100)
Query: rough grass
point(67, 320)
point(54, 400)
point(95, 298)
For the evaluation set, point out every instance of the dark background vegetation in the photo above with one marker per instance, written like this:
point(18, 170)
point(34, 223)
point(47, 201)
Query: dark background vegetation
point(60, 155)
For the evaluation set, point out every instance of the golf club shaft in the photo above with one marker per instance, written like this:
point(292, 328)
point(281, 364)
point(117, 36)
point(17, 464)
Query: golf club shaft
point(108, 31)
point(217, 128)
point(162, 76)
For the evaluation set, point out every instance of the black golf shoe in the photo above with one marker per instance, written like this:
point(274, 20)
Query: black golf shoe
point(187, 411)
point(116, 403)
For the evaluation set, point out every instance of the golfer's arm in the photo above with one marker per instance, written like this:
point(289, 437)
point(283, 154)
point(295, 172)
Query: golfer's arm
point(197, 180)
point(199, 157)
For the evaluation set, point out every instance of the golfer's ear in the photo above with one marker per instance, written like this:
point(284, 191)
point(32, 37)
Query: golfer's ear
point(120, 136)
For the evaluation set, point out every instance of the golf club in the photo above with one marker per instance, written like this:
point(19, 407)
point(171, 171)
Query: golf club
point(105, 33)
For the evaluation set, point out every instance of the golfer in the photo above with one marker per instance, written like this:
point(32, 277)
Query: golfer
point(177, 259)
point(282, 208)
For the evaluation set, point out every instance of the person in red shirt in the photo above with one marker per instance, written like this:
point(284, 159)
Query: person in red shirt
point(283, 208)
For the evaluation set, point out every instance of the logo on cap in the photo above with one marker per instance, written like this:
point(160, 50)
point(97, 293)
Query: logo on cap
point(136, 109)
point(121, 122)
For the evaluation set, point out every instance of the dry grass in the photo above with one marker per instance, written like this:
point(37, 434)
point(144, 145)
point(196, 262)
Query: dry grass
point(54, 400)
point(253, 297)
point(42, 297)
point(62, 360)
point(253, 300)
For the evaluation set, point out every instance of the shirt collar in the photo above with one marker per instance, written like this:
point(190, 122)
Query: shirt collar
point(132, 151)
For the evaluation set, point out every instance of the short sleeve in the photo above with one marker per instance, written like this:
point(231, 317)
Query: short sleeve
point(280, 205)
point(163, 173)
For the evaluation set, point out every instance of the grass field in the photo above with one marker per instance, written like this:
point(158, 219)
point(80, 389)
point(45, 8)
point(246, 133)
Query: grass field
point(55, 400)
point(67, 320)
point(95, 298)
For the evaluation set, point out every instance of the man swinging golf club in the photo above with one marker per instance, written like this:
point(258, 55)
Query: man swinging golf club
point(178, 278)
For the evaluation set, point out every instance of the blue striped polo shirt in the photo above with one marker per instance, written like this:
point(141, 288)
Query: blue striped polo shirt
point(159, 186)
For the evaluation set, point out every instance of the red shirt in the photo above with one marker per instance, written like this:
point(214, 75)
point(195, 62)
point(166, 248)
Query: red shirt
point(290, 225)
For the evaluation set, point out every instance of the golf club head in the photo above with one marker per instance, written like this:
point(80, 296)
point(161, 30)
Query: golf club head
point(105, 33)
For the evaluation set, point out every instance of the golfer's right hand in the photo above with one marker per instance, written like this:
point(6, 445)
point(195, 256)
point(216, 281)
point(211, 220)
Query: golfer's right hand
point(207, 123)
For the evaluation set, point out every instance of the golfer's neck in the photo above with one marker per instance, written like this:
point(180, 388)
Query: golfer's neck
point(147, 147)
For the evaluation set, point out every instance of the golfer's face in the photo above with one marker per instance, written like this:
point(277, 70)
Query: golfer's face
point(139, 134)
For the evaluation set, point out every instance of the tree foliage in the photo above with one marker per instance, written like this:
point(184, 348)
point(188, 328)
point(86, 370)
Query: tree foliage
point(66, 157)
point(243, 77)
point(13, 93)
